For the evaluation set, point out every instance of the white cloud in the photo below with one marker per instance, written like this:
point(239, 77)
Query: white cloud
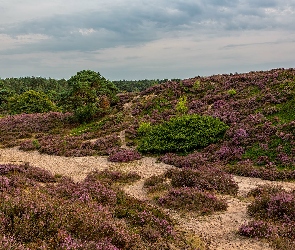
point(139, 39)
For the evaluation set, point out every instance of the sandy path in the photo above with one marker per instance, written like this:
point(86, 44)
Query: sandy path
point(218, 229)
point(79, 167)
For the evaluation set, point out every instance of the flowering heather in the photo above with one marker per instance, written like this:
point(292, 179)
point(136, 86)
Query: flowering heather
point(247, 168)
point(274, 217)
point(190, 161)
point(258, 229)
point(156, 183)
point(30, 172)
point(192, 199)
point(107, 176)
point(204, 179)
point(124, 155)
point(34, 123)
point(69, 215)
point(104, 143)
point(8, 242)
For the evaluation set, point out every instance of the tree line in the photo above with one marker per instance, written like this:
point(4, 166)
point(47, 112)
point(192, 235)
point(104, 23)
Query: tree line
point(87, 94)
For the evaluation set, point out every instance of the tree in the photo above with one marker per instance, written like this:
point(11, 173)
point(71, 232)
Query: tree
point(90, 95)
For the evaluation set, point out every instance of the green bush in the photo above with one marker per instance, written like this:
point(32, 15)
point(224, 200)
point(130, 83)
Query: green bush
point(30, 102)
point(181, 106)
point(182, 134)
point(144, 128)
point(232, 92)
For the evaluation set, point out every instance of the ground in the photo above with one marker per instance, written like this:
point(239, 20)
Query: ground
point(219, 229)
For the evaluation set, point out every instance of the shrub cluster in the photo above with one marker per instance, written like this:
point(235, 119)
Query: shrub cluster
point(204, 178)
point(124, 155)
point(192, 199)
point(71, 145)
point(86, 215)
point(107, 176)
point(30, 102)
point(247, 168)
point(182, 134)
point(273, 210)
point(192, 189)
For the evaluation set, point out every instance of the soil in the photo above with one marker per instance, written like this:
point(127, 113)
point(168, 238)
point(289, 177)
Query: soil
point(218, 230)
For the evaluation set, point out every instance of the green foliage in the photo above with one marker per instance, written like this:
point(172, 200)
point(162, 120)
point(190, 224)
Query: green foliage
point(136, 85)
point(30, 102)
point(153, 103)
point(144, 128)
point(196, 85)
point(89, 95)
point(270, 152)
point(182, 134)
point(181, 106)
point(50, 87)
point(232, 92)
point(286, 111)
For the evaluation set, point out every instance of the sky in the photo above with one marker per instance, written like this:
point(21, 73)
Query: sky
point(145, 39)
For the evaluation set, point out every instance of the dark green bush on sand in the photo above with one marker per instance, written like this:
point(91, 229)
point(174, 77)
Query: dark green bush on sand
point(182, 134)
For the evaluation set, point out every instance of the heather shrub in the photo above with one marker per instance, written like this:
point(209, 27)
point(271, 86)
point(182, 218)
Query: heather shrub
point(204, 179)
point(246, 168)
point(258, 229)
point(266, 189)
point(9, 243)
point(86, 215)
point(182, 134)
point(156, 183)
point(274, 218)
point(102, 144)
point(27, 171)
point(124, 155)
point(109, 177)
point(29, 145)
point(192, 199)
point(88, 190)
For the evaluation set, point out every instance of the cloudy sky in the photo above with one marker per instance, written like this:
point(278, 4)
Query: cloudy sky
point(139, 39)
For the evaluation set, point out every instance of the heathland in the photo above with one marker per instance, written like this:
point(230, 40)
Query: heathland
point(205, 162)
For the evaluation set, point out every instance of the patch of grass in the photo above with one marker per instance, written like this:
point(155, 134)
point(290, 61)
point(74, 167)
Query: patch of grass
point(286, 111)
point(276, 151)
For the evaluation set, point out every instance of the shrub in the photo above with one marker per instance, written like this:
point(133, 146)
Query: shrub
point(156, 183)
point(144, 128)
point(181, 106)
point(30, 102)
point(85, 215)
point(204, 179)
point(257, 229)
point(182, 134)
point(232, 92)
point(124, 155)
point(191, 199)
point(273, 210)
point(109, 177)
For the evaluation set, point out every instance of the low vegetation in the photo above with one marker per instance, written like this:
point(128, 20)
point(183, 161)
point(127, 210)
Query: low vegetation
point(41, 211)
point(273, 213)
point(207, 127)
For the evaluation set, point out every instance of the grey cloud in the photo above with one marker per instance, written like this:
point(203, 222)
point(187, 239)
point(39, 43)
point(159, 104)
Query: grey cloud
point(139, 23)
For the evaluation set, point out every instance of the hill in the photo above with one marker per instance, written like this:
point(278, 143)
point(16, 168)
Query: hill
point(241, 124)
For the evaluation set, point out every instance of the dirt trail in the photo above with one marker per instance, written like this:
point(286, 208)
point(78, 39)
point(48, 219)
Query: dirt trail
point(219, 229)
